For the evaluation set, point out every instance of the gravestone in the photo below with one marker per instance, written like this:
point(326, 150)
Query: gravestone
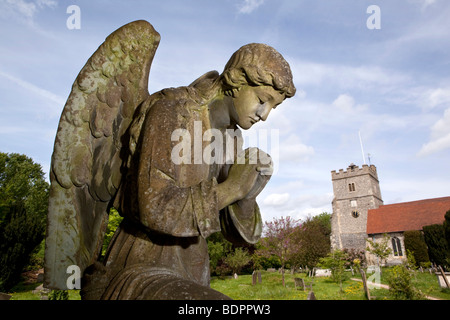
point(4, 296)
point(259, 277)
point(311, 296)
point(299, 282)
point(254, 278)
point(364, 280)
point(323, 273)
point(443, 278)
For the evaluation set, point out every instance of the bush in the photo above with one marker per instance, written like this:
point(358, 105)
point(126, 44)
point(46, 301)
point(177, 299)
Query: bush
point(114, 221)
point(400, 284)
point(446, 226)
point(23, 210)
point(415, 242)
point(237, 260)
point(58, 295)
point(335, 261)
point(437, 245)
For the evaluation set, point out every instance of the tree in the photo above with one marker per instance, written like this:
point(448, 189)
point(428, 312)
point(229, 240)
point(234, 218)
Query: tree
point(218, 249)
point(23, 210)
point(279, 240)
point(114, 221)
point(336, 262)
point(237, 260)
point(446, 226)
point(415, 242)
point(437, 245)
point(380, 249)
point(401, 286)
point(313, 237)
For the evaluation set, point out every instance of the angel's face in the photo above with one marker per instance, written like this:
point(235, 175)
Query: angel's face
point(255, 103)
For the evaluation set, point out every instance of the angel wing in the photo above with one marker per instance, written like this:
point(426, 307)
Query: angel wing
point(91, 148)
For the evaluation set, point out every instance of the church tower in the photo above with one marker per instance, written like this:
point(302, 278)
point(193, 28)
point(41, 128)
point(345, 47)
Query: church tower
point(356, 190)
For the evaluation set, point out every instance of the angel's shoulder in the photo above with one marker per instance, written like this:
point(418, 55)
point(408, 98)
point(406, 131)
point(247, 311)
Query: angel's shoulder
point(177, 103)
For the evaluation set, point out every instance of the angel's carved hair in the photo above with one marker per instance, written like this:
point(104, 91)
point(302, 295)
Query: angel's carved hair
point(258, 64)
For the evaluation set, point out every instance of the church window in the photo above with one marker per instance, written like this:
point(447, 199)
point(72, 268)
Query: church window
point(351, 187)
point(397, 246)
point(355, 214)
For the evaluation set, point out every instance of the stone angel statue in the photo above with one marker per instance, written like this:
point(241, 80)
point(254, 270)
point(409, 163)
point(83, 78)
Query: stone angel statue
point(114, 148)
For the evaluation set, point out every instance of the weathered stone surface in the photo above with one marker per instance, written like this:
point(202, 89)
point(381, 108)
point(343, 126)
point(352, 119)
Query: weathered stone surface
point(115, 146)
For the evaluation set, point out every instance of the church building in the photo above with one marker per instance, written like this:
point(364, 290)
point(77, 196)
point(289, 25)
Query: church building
point(359, 213)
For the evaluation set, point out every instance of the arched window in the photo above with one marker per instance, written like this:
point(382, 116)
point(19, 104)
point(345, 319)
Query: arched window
point(397, 246)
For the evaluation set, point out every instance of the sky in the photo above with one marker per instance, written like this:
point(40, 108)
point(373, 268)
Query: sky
point(373, 83)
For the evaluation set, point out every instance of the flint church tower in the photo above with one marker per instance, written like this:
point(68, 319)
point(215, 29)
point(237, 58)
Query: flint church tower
point(356, 190)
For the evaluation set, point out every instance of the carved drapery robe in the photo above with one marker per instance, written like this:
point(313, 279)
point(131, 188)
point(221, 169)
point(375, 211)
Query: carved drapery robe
point(169, 209)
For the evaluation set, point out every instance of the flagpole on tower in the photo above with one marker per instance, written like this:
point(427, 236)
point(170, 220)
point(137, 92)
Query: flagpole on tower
point(362, 149)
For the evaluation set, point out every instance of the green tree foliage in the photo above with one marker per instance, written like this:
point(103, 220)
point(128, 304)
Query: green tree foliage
point(437, 245)
point(58, 295)
point(447, 228)
point(380, 249)
point(415, 242)
point(238, 259)
point(114, 221)
point(335, 261)
point(218, 249)
point(23, 210)
point(401, 286)
point(314, 238)
point(279, 240)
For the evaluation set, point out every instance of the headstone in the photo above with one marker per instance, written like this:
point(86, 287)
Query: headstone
point(299, 282)
point(235, 276)
point(364, 280)
point(259, 277)
point(271, 270)
point(254, 276)
point(311, 296)
point(443, 278)
point(4, 296)
point(40, 278)
point(323, 273)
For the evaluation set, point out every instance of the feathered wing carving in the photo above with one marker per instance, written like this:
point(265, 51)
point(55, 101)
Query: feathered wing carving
point(91, 147)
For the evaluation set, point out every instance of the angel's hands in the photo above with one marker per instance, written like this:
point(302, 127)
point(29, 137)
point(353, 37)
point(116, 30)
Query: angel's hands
point(246, 178)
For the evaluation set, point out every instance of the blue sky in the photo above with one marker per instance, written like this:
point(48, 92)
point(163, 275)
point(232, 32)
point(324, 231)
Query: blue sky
point(391, 84)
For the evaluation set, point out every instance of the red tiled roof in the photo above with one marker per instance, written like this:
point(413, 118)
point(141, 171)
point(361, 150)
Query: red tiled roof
point(407, 215)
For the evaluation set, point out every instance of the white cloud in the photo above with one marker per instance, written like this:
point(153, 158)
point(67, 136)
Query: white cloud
point(346, 103)
point(436, 97)
point(276, 199)
point(440, 136)
point(308, 73)
point(24, 10)
point(292, 149)
point(250, 5)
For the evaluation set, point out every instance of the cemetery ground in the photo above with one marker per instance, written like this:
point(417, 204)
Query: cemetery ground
point(271, 288)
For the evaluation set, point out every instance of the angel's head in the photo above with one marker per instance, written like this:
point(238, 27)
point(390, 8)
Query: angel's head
point(258, 79)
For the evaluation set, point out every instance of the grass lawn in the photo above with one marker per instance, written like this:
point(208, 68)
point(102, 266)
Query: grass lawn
point(424, 281)
point(271, 288)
